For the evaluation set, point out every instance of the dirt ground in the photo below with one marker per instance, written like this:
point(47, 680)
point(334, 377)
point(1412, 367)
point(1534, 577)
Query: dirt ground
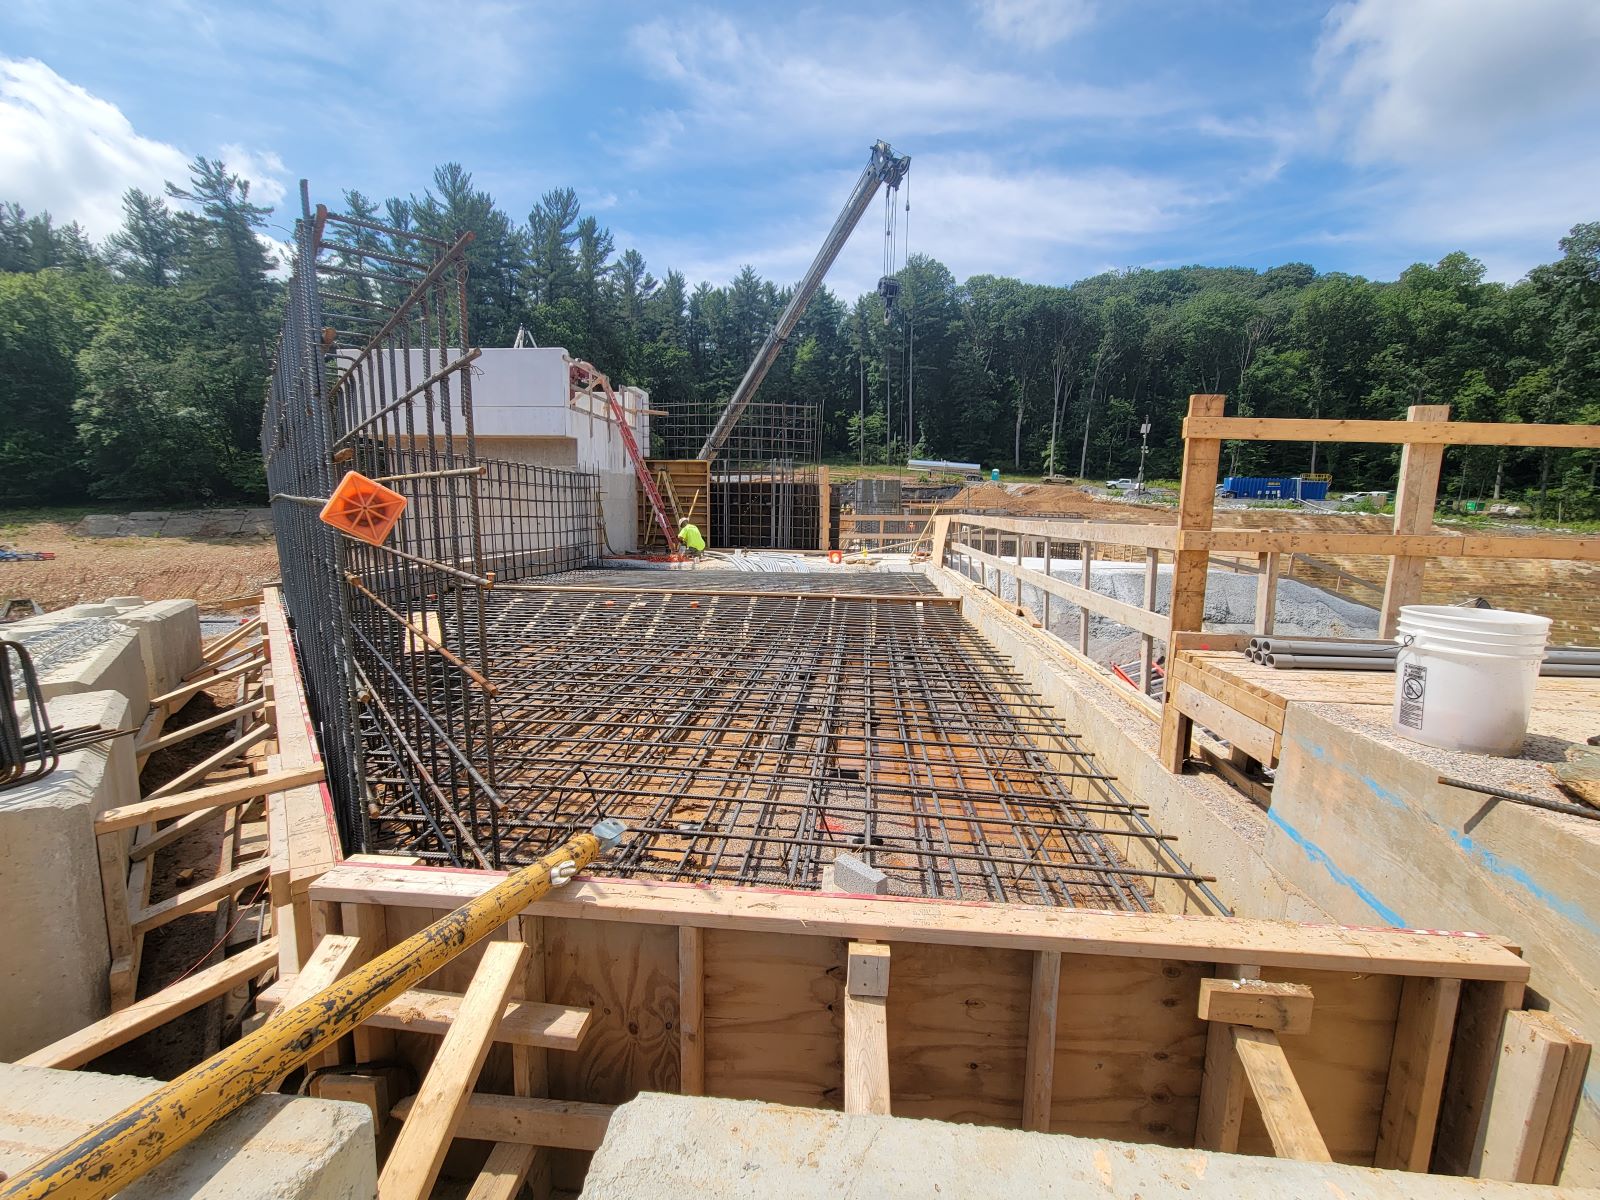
point(157, 568)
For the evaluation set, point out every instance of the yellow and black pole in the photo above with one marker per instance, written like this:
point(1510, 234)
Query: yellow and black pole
point(119, 1150)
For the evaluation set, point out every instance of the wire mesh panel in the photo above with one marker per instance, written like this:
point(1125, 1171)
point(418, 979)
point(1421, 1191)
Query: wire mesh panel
point(374, 375)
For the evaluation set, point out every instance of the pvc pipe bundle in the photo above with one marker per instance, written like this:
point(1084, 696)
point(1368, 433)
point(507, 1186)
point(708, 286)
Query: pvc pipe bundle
point(1338, 654)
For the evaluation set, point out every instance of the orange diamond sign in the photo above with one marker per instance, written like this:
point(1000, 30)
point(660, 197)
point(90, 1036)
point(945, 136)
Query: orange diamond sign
point(363, 508)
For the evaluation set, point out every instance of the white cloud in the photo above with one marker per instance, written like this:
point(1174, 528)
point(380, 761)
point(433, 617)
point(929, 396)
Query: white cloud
point(1470, 124)
point(847, 77)
point(1428, 79)
point(262, 168)
point(1034, 24)
point(67, 151)
point(970, 212)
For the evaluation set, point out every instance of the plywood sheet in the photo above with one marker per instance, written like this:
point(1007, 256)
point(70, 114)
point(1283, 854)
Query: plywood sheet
point(958, 1032)
point(774, 1017)
point(1129, 1049)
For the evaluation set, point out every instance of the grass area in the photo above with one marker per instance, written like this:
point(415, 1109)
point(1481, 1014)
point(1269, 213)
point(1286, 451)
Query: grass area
point(14, 521)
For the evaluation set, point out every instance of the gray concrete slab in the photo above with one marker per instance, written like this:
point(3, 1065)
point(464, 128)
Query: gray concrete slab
point(274, 1148)
point(710, 1149)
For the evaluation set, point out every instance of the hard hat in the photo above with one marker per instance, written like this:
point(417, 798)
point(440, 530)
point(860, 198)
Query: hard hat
point(682, 521)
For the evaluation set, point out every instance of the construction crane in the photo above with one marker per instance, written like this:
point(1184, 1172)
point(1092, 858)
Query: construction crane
point(884, 169)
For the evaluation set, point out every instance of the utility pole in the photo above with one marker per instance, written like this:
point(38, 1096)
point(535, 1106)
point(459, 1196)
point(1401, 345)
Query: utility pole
point(1144, 448)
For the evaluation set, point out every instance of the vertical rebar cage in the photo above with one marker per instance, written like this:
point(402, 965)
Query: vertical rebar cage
point(374, 374)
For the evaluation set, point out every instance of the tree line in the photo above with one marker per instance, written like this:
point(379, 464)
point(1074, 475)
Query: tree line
point(135, 369)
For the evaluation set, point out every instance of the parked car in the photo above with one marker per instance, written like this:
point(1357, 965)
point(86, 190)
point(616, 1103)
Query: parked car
point(1122, 485)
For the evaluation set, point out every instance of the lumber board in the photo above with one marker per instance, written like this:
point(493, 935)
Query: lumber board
point(1283, 1106)
point(1107, 533)
point(1416, 1073)
point(216, 795)
point(334, 957)
point(1256, 739)
point(1444, 433)
point(503, 1172)
point(200, 770)
point(866, 1031)
point(191, 899)
point(154, 1010)
point(1039, 1084)
point(1414, 502)
point(528, 1120)
point(1526, 1079)
point(1220, 1115)
point(691, 1011)
point(436, 1111)
point(597, 902)
point(1342, 1064)
point(212, 652)
point(1563, 1106)
point(1130, 615)
point(151, 843)
point(1196, 503)
point(1280, 1007)
point(426, 1011)
point(182, 693)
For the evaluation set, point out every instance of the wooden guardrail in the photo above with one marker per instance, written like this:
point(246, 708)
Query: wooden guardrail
point(974, 543)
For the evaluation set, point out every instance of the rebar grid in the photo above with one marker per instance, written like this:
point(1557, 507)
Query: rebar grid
point(750, 739)
point(374, 374)
point(832, 582)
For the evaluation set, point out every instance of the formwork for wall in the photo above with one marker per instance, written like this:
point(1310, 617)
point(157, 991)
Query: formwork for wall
point(373, 374)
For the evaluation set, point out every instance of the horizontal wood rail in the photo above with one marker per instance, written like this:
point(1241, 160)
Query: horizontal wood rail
point(1406, 433)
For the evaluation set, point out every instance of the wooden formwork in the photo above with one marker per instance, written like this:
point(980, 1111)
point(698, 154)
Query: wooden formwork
point(685, 485)
point(1269, 1037)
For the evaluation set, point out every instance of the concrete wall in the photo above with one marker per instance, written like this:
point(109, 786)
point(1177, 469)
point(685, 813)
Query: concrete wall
point(521, 412)
point(52, 917)
point(169, 638)
point(274, 1148)
point(1219, 832)
point(1361, 822)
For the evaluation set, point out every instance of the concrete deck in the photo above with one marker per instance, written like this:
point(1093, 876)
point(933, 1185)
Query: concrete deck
point(662, 1145)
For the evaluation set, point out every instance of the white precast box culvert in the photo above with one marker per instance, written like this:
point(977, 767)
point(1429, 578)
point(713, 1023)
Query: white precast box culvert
point(1464, 677)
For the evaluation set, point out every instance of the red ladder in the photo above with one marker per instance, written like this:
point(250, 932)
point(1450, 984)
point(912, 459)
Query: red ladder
point(585, 378)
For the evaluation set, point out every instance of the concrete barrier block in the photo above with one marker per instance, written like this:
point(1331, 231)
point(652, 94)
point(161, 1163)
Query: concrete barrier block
point(169, 640)
point(76, 651)
point(274, 1148)
point(53, 931)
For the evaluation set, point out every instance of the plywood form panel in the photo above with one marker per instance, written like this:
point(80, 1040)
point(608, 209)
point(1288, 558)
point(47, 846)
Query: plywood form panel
point(1342, 1065)
point(958, 1032)
point(774, 1017)
point(1129, 1049)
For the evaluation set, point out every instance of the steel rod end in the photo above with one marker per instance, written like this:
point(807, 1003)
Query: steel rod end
point(609, 832)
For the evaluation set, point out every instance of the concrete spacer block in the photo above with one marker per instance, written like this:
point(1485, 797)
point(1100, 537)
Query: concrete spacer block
point(847, 873)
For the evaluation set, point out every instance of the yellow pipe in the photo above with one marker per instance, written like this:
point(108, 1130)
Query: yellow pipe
point(119, 1150)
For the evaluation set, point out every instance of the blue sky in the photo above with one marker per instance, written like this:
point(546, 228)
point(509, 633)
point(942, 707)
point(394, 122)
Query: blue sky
point(1051, 139)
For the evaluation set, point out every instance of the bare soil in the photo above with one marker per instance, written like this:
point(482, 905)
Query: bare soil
point(157, 568)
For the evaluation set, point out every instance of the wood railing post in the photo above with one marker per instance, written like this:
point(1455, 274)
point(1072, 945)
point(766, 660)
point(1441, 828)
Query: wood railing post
point(1266, 589)
point(1196, 498)
point(1083, 613)
point(1152, 572)
point(1413, 513)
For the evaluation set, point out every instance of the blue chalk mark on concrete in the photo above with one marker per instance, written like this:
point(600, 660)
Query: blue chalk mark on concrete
point(1321, 858)
point(1491, 861)
point(1392, 799)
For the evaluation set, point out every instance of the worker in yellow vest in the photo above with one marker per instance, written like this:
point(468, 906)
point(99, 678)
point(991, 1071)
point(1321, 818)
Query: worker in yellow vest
point(691, 537)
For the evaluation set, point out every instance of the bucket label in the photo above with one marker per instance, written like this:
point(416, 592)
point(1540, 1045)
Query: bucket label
point(1413, 694)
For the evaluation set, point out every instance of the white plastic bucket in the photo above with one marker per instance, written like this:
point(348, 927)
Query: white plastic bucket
point(1464, 677)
